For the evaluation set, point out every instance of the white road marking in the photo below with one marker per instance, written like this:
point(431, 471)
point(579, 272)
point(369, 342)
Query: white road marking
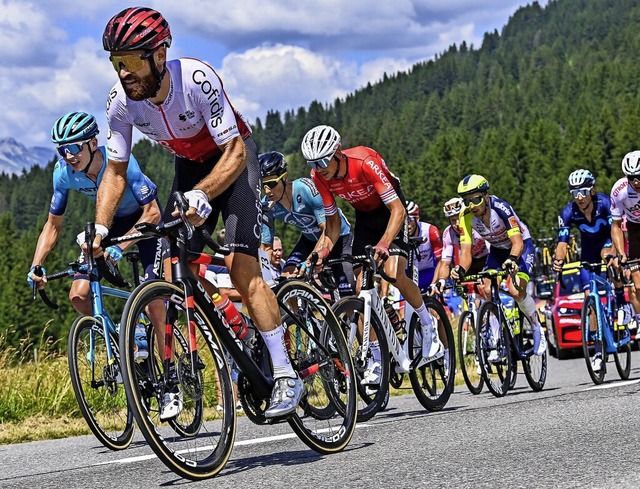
point(254, 441)
point(613, 384)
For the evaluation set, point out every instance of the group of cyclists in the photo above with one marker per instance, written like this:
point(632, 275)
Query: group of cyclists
point(181, 104)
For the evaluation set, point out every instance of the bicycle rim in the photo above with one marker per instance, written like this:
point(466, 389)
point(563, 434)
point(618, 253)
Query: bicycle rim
point(590, 341)
point(350, 314)
point(97, 385)
point(623, 361)
point(433, 382)
point(535, 366)
point(198, 442)
point(467, 354)
point(497, 374)
point(326, 416)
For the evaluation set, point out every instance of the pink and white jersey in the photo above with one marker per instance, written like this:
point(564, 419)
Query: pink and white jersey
point(625, 201)
point(193, 122)
point(430, 250)
point(451, 245)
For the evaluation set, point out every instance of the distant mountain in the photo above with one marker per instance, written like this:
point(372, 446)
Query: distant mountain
point(14, 156)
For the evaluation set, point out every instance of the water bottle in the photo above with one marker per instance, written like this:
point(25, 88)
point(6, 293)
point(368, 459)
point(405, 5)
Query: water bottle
point(393, 315)
point(232, 315)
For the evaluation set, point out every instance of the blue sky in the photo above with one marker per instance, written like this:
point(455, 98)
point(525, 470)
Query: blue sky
point(279, 54)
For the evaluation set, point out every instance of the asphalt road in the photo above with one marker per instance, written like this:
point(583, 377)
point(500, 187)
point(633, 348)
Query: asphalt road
point(571, 434)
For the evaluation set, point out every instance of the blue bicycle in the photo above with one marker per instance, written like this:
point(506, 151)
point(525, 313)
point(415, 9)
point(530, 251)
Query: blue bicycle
point(602, 333)
point(94, 362)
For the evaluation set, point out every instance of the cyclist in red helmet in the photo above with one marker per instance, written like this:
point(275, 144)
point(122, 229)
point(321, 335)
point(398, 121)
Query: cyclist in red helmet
point(182, 105)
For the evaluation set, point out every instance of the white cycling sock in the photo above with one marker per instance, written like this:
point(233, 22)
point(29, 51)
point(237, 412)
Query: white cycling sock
point(426, 318)
point(528, 307)
point(274, 340)
point(495, 327)
point(374, 346)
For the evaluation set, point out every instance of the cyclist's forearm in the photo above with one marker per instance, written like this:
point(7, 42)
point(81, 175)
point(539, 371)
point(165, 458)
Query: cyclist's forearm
point(465, 255)
point(110, 192)
point(331, 232)
point(561, 251)
point(617, 237)
point(442, 271)
point(517, 245)
point(151, 214)
point(227, 170)
point(396, 221)
point(47, 240)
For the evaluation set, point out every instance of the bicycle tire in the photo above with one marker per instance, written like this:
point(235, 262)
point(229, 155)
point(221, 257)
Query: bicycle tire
point(497, 375)
point(101, 398)
point(349, 312)
point(534, 366)
point(432, 383)
point(591, 337)
point(206, 452)
point(324, 362)
point(190, 425)
point(467, 353)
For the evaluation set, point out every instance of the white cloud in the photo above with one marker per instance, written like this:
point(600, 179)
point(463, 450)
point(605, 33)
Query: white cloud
point(280, 54)
point(33, 98)
point(284, 78)
point(27, 36)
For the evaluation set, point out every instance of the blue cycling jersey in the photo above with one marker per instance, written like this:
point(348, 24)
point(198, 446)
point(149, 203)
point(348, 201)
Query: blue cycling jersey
point(140, 189)
point(595, 234)
point(307, 212)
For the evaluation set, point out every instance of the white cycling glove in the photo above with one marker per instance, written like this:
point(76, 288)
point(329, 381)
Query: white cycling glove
point(100, 229)
point(199, 201)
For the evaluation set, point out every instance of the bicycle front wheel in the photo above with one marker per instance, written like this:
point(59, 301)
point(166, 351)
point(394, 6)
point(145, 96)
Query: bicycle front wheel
point(350, 314)
point(433, 382)
point(592, 346)
point(467, 353)
point(97, 383)
point(535, 366)
point(197, 442)
point(494, 350)
point(326, 416)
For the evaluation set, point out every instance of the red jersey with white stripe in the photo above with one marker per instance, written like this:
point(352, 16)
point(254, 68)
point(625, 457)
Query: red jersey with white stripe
point(430, 250)
point(193, 122)
point(367, 185)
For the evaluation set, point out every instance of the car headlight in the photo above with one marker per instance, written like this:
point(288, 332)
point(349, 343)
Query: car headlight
point(569, 311)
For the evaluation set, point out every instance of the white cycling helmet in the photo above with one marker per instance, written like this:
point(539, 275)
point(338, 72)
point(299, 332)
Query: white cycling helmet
point(319, 145)
point(412, 209)
point(581, 179)
point(631, 163)
point(453, 207)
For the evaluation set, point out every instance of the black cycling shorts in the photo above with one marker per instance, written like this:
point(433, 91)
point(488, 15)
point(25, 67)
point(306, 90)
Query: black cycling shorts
point(239, 204)
point(633, 236)
point(342, 272)
point(370, 227)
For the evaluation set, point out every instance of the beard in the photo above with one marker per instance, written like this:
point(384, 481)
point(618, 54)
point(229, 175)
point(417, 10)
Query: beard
point(146, 86)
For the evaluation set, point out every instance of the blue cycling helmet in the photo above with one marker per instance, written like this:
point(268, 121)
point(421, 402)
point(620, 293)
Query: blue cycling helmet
point(272, 163)
point(581, 179)
point(74, 127)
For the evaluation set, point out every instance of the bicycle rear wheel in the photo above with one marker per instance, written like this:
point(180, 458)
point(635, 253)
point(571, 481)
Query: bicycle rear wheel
point(467, 353)
point(433, 382)
point(535, 366)
point(591, 344)
point(326, 416)
point(198, 442)
point(97, 384)
point(497, 372)
point(350, 314)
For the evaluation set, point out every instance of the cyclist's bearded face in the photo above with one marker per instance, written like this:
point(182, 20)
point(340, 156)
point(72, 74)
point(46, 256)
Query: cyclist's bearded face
point(139, 85)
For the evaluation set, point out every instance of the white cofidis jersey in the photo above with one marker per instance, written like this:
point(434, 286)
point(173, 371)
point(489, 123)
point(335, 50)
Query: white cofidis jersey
point(193, 122)
point(625, 201)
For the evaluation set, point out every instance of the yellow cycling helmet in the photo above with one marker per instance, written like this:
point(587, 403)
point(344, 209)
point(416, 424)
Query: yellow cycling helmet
point(471, 184)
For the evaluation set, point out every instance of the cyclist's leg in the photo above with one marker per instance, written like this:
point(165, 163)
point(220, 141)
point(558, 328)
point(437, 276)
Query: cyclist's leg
point(79, 295)
point(343, 272)
point(526, 303)
point(242, 214)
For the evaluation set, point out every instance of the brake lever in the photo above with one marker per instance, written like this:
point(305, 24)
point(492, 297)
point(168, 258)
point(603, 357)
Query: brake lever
point(183, 206)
